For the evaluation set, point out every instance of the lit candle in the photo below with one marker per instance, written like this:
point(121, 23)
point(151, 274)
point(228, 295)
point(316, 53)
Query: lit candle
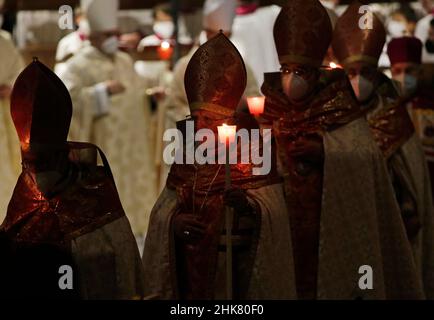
point(227, 133)
point(165, 50)
point(334, 65)
point(227, 136)
point(256, 105)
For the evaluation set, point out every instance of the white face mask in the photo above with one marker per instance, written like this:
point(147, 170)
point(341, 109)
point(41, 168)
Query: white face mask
point(362, 87)
point(407, 84)
point(164, 29)
point(396, 29)
point(110, 45)
point(294, 86)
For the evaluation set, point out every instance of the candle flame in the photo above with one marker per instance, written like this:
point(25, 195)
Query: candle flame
point(165, 45)
point(227, 133)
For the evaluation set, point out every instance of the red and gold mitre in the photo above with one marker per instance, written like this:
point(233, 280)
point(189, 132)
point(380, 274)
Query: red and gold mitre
point(216, 77)
point(41, 107)
point(302, 32)
point(354, 39)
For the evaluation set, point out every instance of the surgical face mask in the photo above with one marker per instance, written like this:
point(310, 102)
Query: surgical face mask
point(407, 84)
point(362, 87)
point(396, 29)
point(294, 86)
point(110, 45)
point(164, 29)
point(429, 46)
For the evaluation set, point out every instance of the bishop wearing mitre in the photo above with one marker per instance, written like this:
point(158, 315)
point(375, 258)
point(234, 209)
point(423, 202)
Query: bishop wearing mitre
point(342, 207)
point(65, 214)
point(184, 255)
point(358, 50)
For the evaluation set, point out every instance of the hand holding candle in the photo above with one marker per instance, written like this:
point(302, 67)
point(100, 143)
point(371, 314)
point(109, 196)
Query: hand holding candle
point(256, 105)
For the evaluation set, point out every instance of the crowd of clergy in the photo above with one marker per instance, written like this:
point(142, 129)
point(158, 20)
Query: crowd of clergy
point(347, 93)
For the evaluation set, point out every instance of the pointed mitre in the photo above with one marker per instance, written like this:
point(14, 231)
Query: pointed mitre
point(302, 32)
point(216, 77)
point(41, 107)
point(359, 35)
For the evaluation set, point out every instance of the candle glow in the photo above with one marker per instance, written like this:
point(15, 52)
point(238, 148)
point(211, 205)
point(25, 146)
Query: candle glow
point(256, 105)
point(165, 50)
point(227, 133)
point(334, 65)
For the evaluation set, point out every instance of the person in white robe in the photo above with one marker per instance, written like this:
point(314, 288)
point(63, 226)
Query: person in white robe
point(252, 35)
point(110, 110)
point(73, 42)
point(156, 72)
point(11, 65)
point(422, 30)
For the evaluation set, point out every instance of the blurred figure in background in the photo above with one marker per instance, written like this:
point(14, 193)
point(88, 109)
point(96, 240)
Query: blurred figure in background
point(163, 27)
point(251, 32)
point(8, 18)
point(110, 111)
point(11, 65)
point(156, 72)
point(405, 55)
point(425, 31)
point(400, 22)
point(73, 42)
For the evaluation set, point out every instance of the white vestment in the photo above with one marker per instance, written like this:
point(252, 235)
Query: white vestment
point(11, 65)
point(67, 47)
point(252, 34)
point(119, 124)
point(421, 32)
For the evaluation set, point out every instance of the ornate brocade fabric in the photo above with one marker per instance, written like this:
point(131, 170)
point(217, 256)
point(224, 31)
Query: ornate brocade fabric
point(332, 106)
point(389, 120)
point(302, 32)
point(199, 190)
point(85, 203)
